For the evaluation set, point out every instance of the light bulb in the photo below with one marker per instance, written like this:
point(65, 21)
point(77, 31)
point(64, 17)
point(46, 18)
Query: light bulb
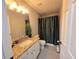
point(23, 12)
point(13, 6)
point(18, 9)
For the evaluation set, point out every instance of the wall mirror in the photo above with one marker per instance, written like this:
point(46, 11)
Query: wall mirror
point(19, 25)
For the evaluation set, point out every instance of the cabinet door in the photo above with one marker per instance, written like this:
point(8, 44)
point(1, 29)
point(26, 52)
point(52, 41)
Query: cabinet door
point(32, 52)
point(30, 55)
point(24, 56)
point(36, 52)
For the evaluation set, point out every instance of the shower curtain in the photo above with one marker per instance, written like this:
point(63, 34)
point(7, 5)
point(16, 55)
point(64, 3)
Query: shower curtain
point(48, 28)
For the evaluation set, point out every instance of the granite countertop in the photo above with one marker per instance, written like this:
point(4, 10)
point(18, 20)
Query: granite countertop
point(20, 48)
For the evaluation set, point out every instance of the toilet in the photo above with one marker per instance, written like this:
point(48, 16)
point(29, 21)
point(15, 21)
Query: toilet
point(42, 43)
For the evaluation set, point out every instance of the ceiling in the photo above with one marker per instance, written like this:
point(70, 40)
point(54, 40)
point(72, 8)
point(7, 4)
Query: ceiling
point(44, 7)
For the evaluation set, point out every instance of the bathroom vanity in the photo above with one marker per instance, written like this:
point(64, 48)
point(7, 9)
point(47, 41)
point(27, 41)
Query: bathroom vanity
point(28, 49)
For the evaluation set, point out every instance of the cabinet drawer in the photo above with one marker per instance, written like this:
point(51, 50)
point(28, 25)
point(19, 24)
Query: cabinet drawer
point(36, 52)
point(33, 47)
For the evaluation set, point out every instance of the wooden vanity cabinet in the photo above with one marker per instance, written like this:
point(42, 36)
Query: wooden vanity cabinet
point(32, 52)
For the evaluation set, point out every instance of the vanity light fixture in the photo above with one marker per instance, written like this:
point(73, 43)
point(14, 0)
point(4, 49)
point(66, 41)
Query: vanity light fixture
point(25, 11)
point(19, 8)
point(22, 9)
point(13, 6)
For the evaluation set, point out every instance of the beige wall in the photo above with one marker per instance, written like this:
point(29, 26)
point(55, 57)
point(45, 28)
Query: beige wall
point(33, 17)
point(19, 20)
point(63, 19)
point(52, 14)
point(17, 24)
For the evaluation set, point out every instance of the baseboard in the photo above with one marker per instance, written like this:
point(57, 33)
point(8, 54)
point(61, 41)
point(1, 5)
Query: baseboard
point(49, 44)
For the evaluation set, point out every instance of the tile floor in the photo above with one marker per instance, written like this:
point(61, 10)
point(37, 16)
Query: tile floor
point(49, 52)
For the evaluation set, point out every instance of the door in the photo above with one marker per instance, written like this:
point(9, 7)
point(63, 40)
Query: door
point(6, 41)
point(68, 46)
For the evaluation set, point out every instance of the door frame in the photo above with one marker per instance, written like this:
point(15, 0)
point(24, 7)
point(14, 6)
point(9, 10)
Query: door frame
point(6, 38)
